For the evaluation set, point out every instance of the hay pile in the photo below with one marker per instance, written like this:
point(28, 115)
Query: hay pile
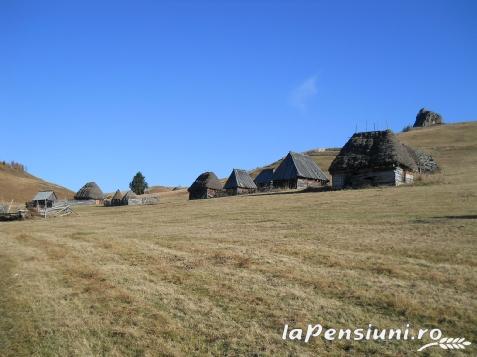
point(90, 191)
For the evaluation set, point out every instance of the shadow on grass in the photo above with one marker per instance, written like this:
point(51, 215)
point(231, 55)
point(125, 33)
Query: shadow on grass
point(465, 216)
point(292, 192)
point(436, 218)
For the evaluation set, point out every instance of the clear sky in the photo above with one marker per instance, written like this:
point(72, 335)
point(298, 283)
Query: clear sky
point(97, 90)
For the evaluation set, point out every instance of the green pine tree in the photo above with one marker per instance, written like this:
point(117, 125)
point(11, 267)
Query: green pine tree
point(138, 184)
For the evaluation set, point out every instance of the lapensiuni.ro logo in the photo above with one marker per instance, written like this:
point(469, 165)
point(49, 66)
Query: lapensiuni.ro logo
point(372, 333)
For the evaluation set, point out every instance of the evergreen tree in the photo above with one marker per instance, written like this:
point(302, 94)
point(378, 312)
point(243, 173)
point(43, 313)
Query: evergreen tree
point(138, 184)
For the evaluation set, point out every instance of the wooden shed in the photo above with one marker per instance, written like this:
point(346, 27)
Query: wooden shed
point(372, 158)
point(117, 199)
point(239, 183)
point(44, 199)
point(206, 185)
point(297, 171)
point(264, 180)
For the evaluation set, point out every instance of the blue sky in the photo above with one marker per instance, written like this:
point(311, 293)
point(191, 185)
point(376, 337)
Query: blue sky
point(97, 90)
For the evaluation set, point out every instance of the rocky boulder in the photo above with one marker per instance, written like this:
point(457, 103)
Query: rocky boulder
point(427, 118)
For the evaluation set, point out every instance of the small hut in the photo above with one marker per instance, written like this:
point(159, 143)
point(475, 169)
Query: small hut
point(117, 198)
point(206, 185)
point(298, 171)
point(44, 199)
point(372, 158)
point(239, 183)
point(264, 180)
point(90, 191)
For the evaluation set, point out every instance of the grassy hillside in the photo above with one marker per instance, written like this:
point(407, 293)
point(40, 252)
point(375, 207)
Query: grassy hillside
point(438, 140)
point(20, 186)
point(223, 276)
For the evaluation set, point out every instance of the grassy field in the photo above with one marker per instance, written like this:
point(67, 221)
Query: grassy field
point(223, 276)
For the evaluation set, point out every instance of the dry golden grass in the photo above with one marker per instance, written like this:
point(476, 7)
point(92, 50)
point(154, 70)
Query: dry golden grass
point(21, 186)
point(222, 277)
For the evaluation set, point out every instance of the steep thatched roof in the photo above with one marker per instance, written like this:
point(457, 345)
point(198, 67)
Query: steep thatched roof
point(205, 180)
point(372, 150)
point(239, 178)
point(90, 191)
point(264, 177)
point(296, 165)
point(117, 196)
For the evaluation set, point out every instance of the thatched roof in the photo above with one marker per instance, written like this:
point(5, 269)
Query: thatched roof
point(296, 165)
point(205, 180)
point(90, 191)
point(372, 150)
point(117, 196)
point(264, 177)
point(239, 178)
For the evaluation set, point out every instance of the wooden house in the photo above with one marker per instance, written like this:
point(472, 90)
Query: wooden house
point(206, 185)
point(372, 158)
point(44, 199)
point(298, 171)
point(239, 183)
point(264, 180)
point(117, 199)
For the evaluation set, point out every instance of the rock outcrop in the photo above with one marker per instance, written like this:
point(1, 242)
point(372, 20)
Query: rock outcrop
point(427, 118)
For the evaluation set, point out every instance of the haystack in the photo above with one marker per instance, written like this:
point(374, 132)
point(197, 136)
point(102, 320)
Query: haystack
point(90, 191)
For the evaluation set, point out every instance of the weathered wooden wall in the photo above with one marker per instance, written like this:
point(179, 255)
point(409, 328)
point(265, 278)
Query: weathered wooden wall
point(390, 177)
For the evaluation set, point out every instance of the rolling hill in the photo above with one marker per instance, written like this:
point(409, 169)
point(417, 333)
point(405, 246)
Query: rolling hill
point(20, 186)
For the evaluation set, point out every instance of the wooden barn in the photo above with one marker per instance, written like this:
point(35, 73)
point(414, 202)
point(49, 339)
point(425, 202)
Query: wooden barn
point(90, 191)
point(264, 180)
point(206, 185)
point(117, 199)
point(372, 158)
point(239, 183)
point(297, 171)
point(44, 199)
